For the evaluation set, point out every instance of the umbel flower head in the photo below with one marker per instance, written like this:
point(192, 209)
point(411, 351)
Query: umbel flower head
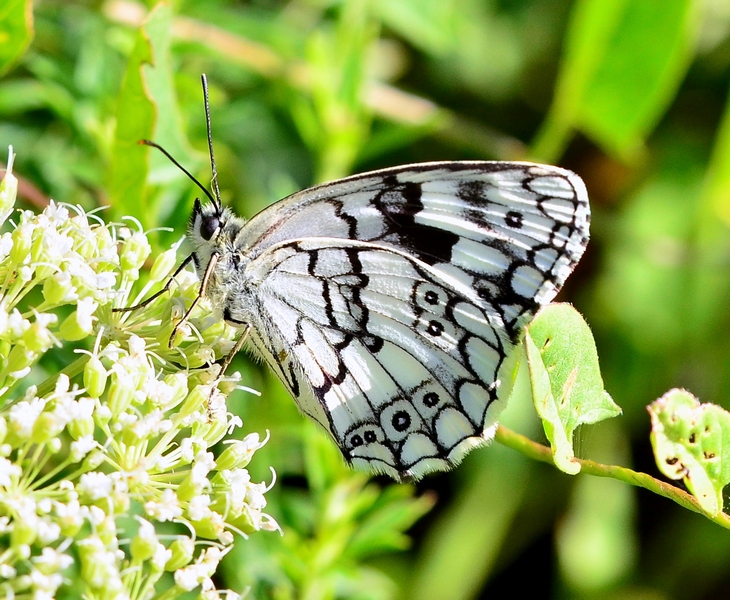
point(94, 458)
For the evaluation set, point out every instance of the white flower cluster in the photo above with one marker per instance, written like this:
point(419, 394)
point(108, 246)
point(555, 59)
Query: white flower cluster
point(120, 431)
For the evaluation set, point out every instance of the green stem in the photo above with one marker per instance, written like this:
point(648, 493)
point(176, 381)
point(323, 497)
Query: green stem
point(551, 140)
point(37, 462)
point(37, 483)
point(171, 594)
point(19, 290)
point(71, 370)
point(542, 453)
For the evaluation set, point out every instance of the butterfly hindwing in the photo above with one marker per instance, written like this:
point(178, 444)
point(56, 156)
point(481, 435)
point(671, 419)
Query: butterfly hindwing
point(399, 363)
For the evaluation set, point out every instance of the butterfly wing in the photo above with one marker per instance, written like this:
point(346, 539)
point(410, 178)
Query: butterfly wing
point(512, 231)
point(390, 303)
point(400, 363)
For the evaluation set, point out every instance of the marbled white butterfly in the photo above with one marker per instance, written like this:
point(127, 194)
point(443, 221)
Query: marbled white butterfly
point(390, 304)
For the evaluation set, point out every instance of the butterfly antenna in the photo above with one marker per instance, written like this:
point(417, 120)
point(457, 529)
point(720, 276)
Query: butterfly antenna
point(179, 166)
point(214, 181)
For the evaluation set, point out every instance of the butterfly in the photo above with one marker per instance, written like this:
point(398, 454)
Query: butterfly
point(391, 304)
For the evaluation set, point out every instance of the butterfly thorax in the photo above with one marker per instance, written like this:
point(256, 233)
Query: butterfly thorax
point(215, 233)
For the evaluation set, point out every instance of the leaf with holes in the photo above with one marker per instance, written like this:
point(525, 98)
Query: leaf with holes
point(691, 442)
point(567, 387)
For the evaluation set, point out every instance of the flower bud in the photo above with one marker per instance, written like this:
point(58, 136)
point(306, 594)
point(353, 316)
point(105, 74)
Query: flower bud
point(25, 273)
point(210, 526)
point(101, 240)
point(71, 330)
point(8, 189)
point(95, 377)
point(92, 556)
point(178, 383)
point(79, 324)
point(212, 431)
point(23, 552)
point(246, 522)
point(20, 358)
point(46, 427)
point(178, 335)
point(71, 519)
point(37, 247)
point(59, 289)
point(54, 445)
point(182, 553)
point(135, 251)
point(22, 238)
point(81, 427)
point(163, 265)
point(121, 392)
point(24, 531)
point(197, 399)
point(38, 338)
point(238, 453)
point(188, 489)
point(83, 444)
point(93, 460)
point(145, 543)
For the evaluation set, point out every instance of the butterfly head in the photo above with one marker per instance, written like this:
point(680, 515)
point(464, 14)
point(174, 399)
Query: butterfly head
point(213, 228)
point(206, 221)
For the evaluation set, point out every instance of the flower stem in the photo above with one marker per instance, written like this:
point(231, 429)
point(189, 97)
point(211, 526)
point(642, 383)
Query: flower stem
point(542, 453)
point(71, 370)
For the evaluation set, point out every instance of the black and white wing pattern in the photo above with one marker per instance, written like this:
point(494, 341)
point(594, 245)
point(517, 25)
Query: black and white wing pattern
point(390, 304)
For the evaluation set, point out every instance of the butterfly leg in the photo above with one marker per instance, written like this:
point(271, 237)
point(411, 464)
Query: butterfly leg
point(203, 290)
point(236, 349)
point(160, 292)
point(228, 359)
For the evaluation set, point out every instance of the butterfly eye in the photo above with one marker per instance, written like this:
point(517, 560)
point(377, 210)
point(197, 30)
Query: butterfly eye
point(209, 226)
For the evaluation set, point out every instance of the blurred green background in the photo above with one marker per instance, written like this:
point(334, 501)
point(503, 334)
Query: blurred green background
point(630, 94)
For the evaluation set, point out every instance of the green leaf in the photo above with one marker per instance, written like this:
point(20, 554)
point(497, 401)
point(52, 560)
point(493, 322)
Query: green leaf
point(338, 120)
point(567, 387)
point(717, 189)
point(427, 24)
point(16, 31)
point(383, 527)
point(622, 65)
point(160, 80)
point(691, 442)
point(147, 85)
point(135, 120)
point(640, 73)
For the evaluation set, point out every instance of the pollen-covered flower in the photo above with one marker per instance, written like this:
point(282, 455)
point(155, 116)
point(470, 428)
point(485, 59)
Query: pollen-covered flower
point(130, 423)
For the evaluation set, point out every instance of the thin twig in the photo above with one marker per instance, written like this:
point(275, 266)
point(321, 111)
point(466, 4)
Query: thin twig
point(536, 451)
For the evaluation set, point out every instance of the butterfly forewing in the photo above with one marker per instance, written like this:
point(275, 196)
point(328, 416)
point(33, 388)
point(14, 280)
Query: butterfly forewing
point(513, 230)
point(390, 303)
